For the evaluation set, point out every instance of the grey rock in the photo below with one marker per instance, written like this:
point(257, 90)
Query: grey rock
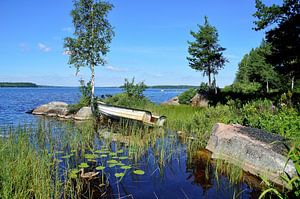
point(84, 113)
point(254, 150)
point(199, 100)
point(172, 101)
point(59, 109)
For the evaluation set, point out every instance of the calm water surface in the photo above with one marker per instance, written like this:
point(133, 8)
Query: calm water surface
point(181, 177)
point(14, 102)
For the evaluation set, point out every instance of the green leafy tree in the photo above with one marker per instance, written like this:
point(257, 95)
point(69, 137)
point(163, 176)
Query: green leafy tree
point(283, 36)
point(254, 68)
point(205, 52)
point(92, 36)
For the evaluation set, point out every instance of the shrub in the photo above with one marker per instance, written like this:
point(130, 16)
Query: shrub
point(185, 97)
point(85, 99)
point(134, 90)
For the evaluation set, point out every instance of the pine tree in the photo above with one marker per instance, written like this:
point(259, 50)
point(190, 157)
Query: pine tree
point(205, 52)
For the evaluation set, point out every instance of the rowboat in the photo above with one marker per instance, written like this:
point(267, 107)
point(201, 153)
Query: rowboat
point(118, 112)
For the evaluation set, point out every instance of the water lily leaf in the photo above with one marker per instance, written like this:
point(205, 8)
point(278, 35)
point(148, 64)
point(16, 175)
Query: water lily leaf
point(123, 157)
point(118, 175)
point(91, 160)
point(126, 167)
point(121, 164)
point(90, 156)
point(83, 165)
point(67, 156)
point(115, 157)
point(139, 172)
point(120, 151)
point(112, 165)
point(103, 156)
point(73, 175)
point(112, 161)
point(75, 171)
point(100, 168)
point(112, 154)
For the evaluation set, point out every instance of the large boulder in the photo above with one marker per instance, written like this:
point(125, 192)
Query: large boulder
point(172, 101)
point(84, 113)
point(254, 150)
point(199, 100)
point(59, 109)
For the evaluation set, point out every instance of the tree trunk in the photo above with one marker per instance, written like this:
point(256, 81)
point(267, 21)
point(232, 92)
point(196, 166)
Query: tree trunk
point(209, 79)
point(93, 85)
point(267, 86)
point(292, 86)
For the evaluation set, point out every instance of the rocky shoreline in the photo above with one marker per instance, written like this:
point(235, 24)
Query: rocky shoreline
point(60, 109)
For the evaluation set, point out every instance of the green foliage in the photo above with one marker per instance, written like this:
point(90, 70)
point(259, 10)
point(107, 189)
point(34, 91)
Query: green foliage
point(264, 115)
point(85, 99)
point(93, 33)
point(123, 99)
point(246, 88)
point(284, 20)
point(134, 90)
point(253, 68)
point(205, 52)
point(186, 96)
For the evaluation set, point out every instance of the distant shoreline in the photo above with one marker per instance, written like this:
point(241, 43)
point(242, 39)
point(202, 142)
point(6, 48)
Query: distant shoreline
point(33, 85)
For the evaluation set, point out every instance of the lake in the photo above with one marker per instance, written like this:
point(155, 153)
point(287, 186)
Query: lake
point(14, 102)
point(179, 175)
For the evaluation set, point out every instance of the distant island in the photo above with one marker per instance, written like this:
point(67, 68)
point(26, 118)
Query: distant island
point(18, 84)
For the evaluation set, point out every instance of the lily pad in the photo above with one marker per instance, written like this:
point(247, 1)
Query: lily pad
point(100, 168)
point(120, 151)
point(123, 157)
point(139, 172)
point(73, 175)
point(112, 165)
point(112, 161)
point(126, 167)
point(103, 156)
point(112, 154)
point(75, 171)
point(119, 175)
point(83, 165)
point(90, 156)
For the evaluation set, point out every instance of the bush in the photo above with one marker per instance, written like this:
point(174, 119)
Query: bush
point(85, 99)
point(123, 99)
point(185, 97)
point(134, 90)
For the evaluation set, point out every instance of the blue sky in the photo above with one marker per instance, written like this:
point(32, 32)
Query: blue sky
point(150, 40)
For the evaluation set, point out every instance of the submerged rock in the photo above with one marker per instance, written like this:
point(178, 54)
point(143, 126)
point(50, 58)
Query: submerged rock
point(254, 150)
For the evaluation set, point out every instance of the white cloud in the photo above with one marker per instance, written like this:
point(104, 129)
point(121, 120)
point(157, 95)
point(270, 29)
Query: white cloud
point(43, 47)
point(116, 69)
